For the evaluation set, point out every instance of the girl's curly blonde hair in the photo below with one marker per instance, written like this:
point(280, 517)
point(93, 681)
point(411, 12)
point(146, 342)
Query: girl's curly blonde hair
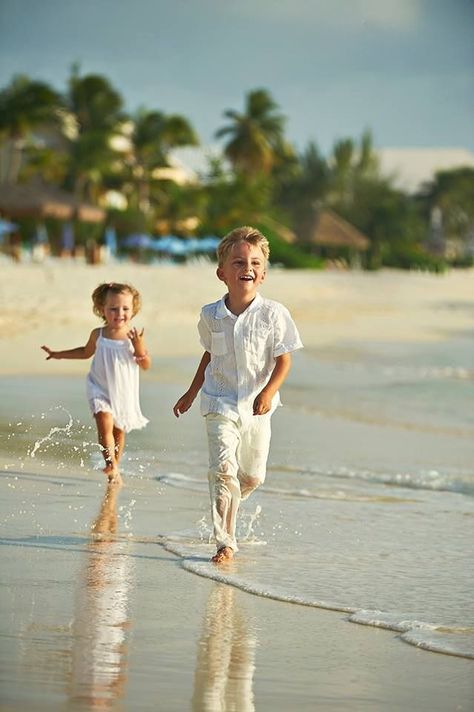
point(99, 295)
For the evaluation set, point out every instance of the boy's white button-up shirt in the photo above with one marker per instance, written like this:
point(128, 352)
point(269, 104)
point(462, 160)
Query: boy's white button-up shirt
point(243, 350)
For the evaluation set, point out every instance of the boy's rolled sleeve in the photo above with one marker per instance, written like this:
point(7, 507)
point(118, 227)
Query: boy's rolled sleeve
point(204, 333)
point(286, 336)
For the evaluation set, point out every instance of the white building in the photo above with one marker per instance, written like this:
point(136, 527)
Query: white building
point(412, 167)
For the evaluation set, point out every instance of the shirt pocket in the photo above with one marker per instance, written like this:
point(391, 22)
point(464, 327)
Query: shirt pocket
point(258, 340)
point(218, 343)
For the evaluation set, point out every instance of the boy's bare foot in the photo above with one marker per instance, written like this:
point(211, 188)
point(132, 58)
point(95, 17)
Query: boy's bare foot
point(224, 554)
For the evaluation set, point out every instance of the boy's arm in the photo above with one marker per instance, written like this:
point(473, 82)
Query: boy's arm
point(186, 401)
point(80, 352)
point(263, 402)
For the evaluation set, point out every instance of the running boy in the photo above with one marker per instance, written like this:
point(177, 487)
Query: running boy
point(248, 342)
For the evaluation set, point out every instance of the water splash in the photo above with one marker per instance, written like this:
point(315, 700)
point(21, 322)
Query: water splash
point(67, 430)
point(205, 531)
point(250, 521)
point(126, 510)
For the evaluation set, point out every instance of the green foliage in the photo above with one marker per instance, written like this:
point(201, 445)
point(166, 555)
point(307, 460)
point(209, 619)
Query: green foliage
point(267, 179)
point(128, 221)
point(406, 256)
point(155, 134)
point(25, 104)
point(94, 102)
point(288, 255)
point(254, 136)
point(235, 200)
point(452, 192)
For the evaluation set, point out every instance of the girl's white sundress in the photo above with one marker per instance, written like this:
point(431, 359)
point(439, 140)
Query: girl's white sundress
point(113, 383)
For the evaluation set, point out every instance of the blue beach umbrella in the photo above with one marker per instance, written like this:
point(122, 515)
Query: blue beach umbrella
point(6, 227)
point(139, 240)
point(170, 244)
point(208, 243)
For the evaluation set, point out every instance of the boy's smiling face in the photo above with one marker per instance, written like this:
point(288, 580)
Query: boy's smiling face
point(243, 270)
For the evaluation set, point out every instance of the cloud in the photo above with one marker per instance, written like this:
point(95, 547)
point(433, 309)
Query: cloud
point(395, 14)
point(384, 14)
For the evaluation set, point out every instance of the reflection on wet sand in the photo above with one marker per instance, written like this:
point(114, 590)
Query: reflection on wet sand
point(226, 657)
point(101, 617)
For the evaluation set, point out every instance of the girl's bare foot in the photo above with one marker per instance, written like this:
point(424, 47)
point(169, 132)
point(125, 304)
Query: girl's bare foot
point(113, 475)
point(224, 554)
point(115, 479)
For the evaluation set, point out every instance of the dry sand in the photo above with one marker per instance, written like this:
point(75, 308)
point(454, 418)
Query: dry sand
point(50, 304)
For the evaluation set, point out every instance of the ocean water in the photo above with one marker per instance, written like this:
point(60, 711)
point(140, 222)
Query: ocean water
point(368, 505)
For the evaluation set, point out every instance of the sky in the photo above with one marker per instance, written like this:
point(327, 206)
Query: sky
point(402, 68)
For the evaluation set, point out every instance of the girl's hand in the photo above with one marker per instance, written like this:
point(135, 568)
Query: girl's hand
point(51, 354)
point(136, 337)
point(138, 342)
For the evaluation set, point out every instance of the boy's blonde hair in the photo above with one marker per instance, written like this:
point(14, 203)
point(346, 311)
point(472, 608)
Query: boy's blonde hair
point(242, 234)
point(99, 295)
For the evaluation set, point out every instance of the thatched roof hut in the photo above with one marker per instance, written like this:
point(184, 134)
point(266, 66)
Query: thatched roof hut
point(40, 200)
point(330, 230)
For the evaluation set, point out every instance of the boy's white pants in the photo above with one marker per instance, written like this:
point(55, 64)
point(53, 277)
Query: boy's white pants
point(237, 464)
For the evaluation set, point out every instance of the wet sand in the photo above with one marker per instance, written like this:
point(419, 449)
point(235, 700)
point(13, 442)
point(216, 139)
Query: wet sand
point(97, 614)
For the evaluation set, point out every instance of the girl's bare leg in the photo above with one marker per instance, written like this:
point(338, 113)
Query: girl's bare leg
point(105, 432)
point(119, 439)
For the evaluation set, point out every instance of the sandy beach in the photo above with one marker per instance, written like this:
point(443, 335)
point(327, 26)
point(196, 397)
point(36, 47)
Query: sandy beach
point(332, 308)
point(108, 600)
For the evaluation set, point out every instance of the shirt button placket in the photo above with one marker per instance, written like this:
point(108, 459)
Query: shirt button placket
point(239, 350)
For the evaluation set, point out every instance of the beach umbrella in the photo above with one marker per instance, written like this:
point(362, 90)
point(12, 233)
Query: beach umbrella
point(140, 241)
point(193, 244)
point(208, 243)
point(170, 244)
point(163, 243)
point(177, 247)
point(6, 227)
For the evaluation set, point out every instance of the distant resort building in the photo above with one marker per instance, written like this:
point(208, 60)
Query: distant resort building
point(411, 168)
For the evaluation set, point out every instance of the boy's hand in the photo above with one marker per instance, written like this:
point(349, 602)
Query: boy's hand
point(262, 403)
point(183, 404)
point(51, 354)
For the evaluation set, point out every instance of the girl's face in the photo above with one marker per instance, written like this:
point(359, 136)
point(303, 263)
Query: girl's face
point(118, 309)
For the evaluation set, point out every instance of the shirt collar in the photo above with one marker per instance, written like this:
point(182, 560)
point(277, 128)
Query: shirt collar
point(222, 311)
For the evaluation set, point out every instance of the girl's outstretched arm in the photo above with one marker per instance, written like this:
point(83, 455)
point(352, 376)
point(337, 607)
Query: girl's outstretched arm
point(80, 352)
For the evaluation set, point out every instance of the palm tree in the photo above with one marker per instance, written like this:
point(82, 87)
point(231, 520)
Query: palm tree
point(96, 109)
point(304, 191)
point(153, 136)
point(24, 106)
point(351, 163)
point(254, 136)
